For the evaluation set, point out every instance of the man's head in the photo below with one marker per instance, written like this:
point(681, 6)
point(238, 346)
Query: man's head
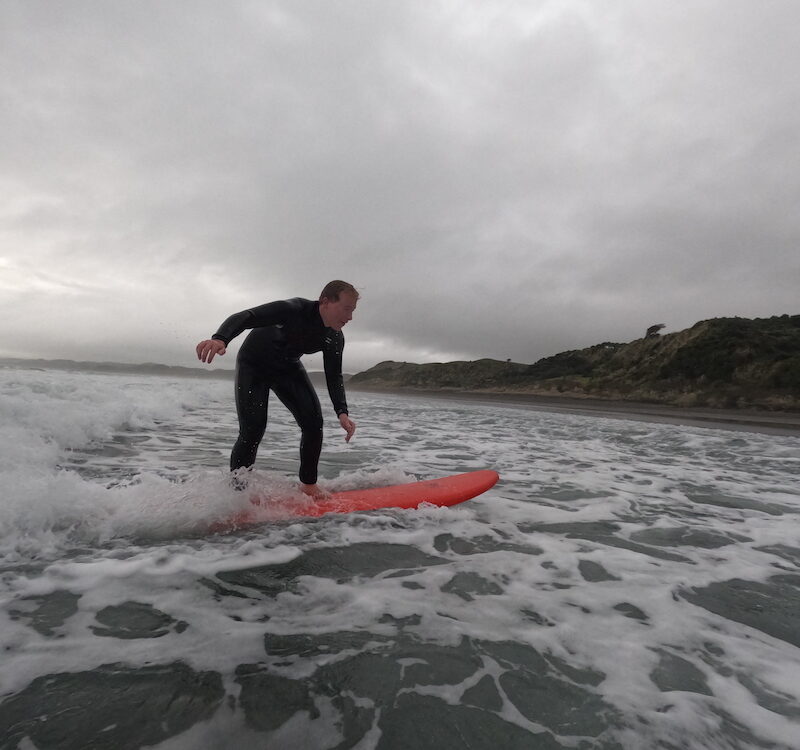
point(337, 303)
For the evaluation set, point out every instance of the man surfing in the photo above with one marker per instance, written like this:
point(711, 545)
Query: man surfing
point(269, 360)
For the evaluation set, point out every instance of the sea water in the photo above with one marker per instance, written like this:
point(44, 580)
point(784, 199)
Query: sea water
point(626, 585)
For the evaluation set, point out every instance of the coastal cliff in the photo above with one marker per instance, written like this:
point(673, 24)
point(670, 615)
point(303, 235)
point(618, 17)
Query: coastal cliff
point(722, 362)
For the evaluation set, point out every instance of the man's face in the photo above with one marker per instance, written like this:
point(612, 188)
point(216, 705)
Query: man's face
point(336, 314)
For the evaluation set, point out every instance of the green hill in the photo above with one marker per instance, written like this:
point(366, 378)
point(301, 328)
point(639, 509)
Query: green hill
point(723, 362)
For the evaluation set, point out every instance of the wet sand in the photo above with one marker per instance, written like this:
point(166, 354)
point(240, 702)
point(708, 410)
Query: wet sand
point(769, 422)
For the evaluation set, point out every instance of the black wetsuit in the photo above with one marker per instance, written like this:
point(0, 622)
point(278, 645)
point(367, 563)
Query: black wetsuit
point(269, 359)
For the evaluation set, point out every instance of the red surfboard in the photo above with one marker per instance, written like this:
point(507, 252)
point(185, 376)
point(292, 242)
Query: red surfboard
point(445, 491)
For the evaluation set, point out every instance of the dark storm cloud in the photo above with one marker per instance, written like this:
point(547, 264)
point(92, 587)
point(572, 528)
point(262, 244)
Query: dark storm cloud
point(499, 179)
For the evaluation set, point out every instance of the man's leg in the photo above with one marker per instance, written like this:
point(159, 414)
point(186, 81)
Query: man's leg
point(295, 391)
point(252, 396)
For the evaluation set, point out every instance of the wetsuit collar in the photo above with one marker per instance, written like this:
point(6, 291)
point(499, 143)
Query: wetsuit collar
point(319, 317)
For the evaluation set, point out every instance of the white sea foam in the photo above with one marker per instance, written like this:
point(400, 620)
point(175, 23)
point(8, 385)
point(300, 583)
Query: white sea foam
point(584, 553)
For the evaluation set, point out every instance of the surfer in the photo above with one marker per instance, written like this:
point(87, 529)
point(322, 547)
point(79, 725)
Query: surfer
point(269, 360)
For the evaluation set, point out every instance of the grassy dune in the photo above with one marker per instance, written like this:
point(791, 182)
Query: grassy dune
point(723, 362)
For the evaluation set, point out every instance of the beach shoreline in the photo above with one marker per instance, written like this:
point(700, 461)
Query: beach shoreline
point(768, 422)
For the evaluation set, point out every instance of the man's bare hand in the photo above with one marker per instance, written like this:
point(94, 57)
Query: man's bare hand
point(208, 349)
point(348, 425)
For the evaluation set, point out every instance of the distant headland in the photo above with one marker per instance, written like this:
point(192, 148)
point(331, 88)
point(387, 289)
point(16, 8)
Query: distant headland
point(726, 363)
point(147, 368)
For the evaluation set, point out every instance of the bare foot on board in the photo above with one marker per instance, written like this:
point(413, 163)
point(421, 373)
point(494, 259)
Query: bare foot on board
point(314, 490)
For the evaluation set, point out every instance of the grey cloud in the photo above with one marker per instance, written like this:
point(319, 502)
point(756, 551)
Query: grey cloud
point(505, 180)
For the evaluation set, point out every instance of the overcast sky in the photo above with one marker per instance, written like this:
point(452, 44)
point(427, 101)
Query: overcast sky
point(499, 179)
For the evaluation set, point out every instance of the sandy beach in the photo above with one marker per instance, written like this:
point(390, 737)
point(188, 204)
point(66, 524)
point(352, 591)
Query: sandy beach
point(769, 422)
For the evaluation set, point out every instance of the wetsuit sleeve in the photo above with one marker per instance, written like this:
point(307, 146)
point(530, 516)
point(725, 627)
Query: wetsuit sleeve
point(332, 359)
point(273, 313)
